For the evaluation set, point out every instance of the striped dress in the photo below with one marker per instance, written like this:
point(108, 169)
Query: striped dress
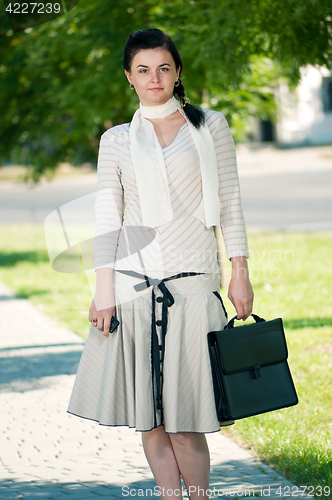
point(155, 369)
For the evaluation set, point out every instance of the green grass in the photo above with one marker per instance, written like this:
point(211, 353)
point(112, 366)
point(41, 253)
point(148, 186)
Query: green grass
point(18, 173)
point(291, 275)
point(25, 267)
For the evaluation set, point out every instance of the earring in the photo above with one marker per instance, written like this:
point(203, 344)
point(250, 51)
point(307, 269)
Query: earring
point(131, 86)
point(177, 83)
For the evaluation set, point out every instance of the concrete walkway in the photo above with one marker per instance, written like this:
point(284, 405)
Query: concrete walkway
point(47, 453)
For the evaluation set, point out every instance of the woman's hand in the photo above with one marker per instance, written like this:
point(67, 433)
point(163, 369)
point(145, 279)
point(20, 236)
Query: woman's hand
point(102, 317)
point(240, 291)
point(103, 305)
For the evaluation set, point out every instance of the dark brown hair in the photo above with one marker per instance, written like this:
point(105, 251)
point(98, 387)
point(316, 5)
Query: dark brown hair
point(152, 39)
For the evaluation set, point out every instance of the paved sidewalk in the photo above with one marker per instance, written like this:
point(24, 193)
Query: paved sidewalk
point(47, 453)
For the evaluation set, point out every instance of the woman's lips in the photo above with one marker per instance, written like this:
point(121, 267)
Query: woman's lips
point(156, 89)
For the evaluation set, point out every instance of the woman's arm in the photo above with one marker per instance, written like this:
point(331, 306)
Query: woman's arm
point(231, 216)
point(103, 305)
point(109, 213)
point(232, 221)
point(240, 291)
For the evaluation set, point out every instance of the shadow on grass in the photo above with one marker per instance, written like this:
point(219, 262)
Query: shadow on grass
point(9, 259)
point(296, 324)
point(26, 294)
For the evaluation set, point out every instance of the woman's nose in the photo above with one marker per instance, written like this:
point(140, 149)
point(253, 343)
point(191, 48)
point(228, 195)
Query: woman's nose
point(154, 76)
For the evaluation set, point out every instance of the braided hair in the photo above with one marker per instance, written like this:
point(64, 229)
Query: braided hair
point(152, 39)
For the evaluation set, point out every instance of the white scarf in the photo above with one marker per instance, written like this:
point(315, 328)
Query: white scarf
point(150, 171)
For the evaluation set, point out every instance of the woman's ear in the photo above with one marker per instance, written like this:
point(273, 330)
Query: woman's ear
point(128, 76)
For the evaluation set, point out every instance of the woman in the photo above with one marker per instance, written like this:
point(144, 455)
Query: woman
point(164, 181)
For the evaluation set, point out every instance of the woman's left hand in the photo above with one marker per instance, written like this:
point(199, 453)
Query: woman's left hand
point(240, 291)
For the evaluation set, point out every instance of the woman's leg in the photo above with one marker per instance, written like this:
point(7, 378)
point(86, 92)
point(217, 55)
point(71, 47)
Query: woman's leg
point(193, 458)
point(171, 454)
point(160, 455)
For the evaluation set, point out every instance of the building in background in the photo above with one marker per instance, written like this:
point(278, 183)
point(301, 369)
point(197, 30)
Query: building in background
point(304, 115)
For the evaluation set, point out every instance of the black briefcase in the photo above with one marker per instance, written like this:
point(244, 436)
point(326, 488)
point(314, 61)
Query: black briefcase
point(250, 370)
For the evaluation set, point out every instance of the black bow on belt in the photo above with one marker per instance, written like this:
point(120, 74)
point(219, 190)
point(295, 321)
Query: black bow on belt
point(157, 350)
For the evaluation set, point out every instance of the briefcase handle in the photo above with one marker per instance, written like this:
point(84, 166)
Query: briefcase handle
point(230, 324)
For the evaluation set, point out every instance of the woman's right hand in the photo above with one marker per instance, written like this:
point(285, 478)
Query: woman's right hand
point(103, 305)
point(103, 317)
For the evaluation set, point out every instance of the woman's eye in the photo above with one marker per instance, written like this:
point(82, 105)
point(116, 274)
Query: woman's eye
point(142, 70)
point(164, 69)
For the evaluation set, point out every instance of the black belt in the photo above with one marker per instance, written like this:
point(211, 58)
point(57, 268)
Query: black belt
point(157, 350)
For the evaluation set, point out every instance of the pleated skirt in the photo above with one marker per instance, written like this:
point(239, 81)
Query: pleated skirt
point(116, 382)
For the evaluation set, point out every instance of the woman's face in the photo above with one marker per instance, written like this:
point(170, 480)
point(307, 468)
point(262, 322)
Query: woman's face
point(153, 74)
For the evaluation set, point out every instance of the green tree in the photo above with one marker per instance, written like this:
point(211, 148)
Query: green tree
point(62, 83)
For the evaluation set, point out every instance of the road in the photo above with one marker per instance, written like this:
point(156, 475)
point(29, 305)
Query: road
point(287, 190)
point(288, 202)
